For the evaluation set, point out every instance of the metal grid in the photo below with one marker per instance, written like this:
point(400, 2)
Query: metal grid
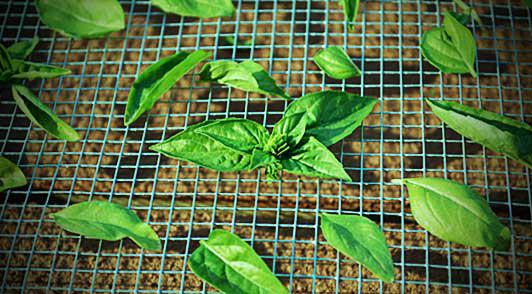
point(401, 138)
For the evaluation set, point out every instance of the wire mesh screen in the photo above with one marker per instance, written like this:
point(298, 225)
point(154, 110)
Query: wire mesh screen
point(279, 219)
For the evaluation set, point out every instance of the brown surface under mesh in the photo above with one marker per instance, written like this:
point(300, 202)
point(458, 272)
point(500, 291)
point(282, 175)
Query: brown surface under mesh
point(109, 154)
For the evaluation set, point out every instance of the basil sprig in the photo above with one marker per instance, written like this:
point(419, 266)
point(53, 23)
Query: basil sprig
point(297, 144)
point(454, 212)
point(10, 175)
point(107, 221)
point(82, 18)
point(196, 8)
point(350, 12)
point(452, 49)
point(229, 264)
point(247, 76)
point(336, 64)
point(496, 132)
point(360, 239)
point(13, 70)
point(158, 79)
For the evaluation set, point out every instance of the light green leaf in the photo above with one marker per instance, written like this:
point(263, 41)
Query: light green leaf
point(494, 131)
point(22, 50)
point(332, 115)
point(360, 239)
point(469, 11)
point(236, 133)
point(287, 133)
point(205, 151)
point(313, 159)
point(230, 40)
point(82, 18)
point(247, 76)
point(229, 264)
point(41, 115)
point(454, 212)
point(336, 64)
point(350, 12)
point(10, 175)
point(107, 221)
point(452, 49)
point(157, 80)
point(31, 70)
point(196, 8)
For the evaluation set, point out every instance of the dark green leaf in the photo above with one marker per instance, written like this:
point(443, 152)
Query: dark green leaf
point(157, 80)
point(216, 154)
point(360, 239)
point(247, 76)
point(496, 132)
point(196, 8)
point(455, 213)
point(230, 40)
point(528, 3)
point(41, 115)
point(22, 50)
point(313, 159)
point(452, 49)
point(6, 63)
point(10, 175)
point(350, 12)
point(30, 70)
point(229, 264)
point(107, 221)
point(332, 115)
point(287, 133)
point(336, 64)
point(82, 18)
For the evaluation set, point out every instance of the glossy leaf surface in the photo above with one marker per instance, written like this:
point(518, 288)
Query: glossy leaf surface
point(335, 63)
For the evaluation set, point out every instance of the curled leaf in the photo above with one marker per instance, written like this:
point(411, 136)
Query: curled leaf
point(336, 64)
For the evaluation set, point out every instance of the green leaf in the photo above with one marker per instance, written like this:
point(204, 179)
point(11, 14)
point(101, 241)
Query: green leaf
point(246, 76)
point(360, 239)
point(41, 115)
point(107, 221)
point(462, 18)
point(313, 159)
point(494, 131)
point(469, 11)
point(216, 154)
point(157, 79)
point(229, 264)
point(287, 133)
point(528, 3)
point(236, 133)
point(452, 49)
point(196, 8)
point(10, 175)
point(230, 40)
point(350, 12)
point(332, 115)
point(454, 212)
point(82, 18)
point(22, 50)
point(6, 64)
point(31, 70)
point(336, 64)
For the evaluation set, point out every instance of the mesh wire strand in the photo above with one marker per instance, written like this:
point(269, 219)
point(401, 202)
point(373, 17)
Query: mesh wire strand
point(183, 203)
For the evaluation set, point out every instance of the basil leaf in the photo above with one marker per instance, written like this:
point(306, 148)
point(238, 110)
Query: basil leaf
point(196, 8)
point(107, 221)
point(336, 64)
point(360, 239)
point(246, 76)
point(82, 18)
point(10, 175)
point(230, 40)
point(462, 18)
point(332, 115)
point(451, 49)
point(205, 151)
point(494, 131)
point(41, 115)
point(22, 50)
point(287, 133)
point(229, 264)
point(157, 79)
point(454, 212)
point(470, 11)
point(350, 12)
point(236, 133)
point(6, 63)
point(31, 70)
point(313, 159)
